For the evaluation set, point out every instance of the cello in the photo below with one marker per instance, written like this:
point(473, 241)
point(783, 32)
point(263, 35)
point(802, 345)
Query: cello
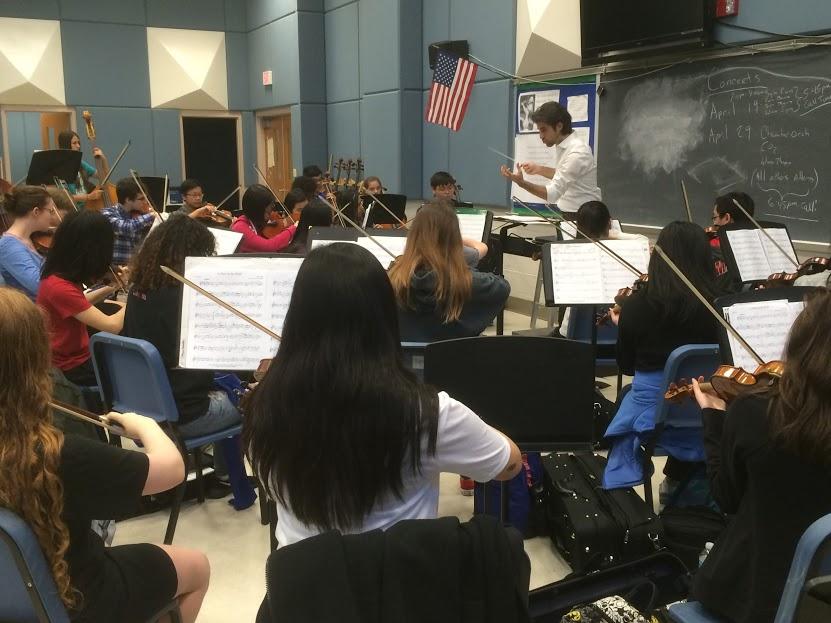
point(102, 168)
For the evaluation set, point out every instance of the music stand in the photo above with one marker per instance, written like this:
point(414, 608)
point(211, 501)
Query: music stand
point(729, 255)
point(473, 214)
point(154, 187)
point(379, 216)
point(48, 164)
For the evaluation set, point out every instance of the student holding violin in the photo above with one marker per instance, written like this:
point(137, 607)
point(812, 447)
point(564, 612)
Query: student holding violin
point(81, 253)
point(656, 319)
point(440, 294)
point(315, 215)
point(68, 139)
point(59, 483)
point(33, 211)
point(257, 206)
point(192, 200)
point(769, 465)
point(130, 218)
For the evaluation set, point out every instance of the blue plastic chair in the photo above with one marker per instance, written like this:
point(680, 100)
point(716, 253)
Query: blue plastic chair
point(685, 362)
point(812, 559)
point(579, 329)
point(132, 377)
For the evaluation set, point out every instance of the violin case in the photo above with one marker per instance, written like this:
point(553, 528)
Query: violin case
point(591, 527)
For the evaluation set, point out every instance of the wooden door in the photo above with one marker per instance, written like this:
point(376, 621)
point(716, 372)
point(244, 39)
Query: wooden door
point(277, 152)
point(52, 124)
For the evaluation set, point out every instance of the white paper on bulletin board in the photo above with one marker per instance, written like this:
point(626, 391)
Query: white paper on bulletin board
point(529, 148)
point(528, 103)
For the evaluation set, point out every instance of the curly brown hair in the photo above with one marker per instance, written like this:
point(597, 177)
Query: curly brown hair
point(168, 245)
point(30, 446)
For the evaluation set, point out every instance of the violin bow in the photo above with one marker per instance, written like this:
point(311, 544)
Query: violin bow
point(708, 305)
point(359, 228)
point(144, 193)
point(63, 187)
point(89, 417)
point(166, 190)
point(231, 194)
point(553, 222)
point(227, 306)
point(115, 164)
point(362, 192)
point(267, 185)
point(762, 229)
point(686, 201)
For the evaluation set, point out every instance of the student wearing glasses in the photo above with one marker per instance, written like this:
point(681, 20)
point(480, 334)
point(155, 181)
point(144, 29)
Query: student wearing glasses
point(193, 199)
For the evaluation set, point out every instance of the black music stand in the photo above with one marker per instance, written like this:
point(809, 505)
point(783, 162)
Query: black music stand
point(539, 391)
point(397, 204)
point(48, 164)
point(154, 187)
point(791, 294)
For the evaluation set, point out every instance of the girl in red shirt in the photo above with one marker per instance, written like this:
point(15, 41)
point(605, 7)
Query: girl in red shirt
point(257, 206)
point(81, 253)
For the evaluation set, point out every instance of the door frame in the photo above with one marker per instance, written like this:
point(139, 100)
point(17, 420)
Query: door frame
point(260, 136)
point(216, 114)
point(4, 128)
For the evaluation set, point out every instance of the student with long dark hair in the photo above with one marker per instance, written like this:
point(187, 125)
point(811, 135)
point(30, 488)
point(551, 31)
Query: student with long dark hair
point(651, 324)
point(315, 214)
point(30, 209)
point(257, 205)
point(69, 139)
point(58, 483)
point(769, 464)
point(341, 433)
point(81, 254)
point(440, 296)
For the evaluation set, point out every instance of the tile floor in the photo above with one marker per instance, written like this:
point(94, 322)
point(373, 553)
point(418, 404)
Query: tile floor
point(237, 545)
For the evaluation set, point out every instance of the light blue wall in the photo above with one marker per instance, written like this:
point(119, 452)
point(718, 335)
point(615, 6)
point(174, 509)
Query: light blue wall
point(24, 138)
point(775, 16)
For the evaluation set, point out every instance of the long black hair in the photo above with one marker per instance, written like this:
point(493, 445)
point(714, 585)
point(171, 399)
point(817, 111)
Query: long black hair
point(255, 202)
point(338, 418)
point(82, 249)
point(687, 246)
point(316, 214)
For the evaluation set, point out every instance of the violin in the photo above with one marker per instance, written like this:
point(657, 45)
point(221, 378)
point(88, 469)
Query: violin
point(102, 172)
point(42, 240)
point(712, 231)
point(620, 298)
point(811, 266)
point(730, 382)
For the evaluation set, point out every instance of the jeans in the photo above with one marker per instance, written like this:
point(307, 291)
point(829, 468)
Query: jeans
point(221, 414)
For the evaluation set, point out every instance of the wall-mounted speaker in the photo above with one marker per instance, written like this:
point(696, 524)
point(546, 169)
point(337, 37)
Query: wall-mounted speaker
point(459, 48)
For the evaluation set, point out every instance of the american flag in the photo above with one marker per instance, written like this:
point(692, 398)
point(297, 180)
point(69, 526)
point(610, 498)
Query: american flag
point(453, 80)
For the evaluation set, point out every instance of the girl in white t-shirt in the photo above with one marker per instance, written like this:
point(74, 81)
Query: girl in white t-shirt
point(342, 434)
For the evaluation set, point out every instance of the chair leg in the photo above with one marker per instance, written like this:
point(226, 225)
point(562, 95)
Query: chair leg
point(200, 480)
point(175, 506)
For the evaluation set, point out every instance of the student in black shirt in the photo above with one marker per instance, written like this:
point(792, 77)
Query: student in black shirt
point(769, 464)
point(58, 483)
point(440, 296)
point(651, 324)
point(153, 310)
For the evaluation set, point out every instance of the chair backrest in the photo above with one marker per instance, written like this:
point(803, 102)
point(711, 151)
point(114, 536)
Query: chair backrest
point(580, 323)
point(812, 559)
point(686, 362)
point(132, 376)
point(537, 390)
point(28, 593)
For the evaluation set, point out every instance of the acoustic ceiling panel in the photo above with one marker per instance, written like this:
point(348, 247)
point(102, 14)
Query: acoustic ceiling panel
point(187, 69)
point(547, 36)
point(31, 62)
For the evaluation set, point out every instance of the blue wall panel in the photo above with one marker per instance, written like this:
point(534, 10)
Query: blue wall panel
point(315, 6)
point(487, 124)
point(249, 149)
point(94, 77)
point(380, 46)
point(490, 27)
point(435, 27)
point(36, 9)
point(235, 16)
point(329, 5)
point(342, 71)
point(411, 143)
point(236, 54)
point(381, 137)
point(194, 14)
point(114, 127)
point(775, 16)
point(110, 11)
point(343, 129)
point(435, 150)
point(412, 48)
point(308, 135)
point(274, 47)
point(24, 138)
point(167, 145)
point(261, 12)
point(312, 57)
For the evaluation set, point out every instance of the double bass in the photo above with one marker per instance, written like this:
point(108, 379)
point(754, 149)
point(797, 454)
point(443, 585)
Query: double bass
point(102, 171)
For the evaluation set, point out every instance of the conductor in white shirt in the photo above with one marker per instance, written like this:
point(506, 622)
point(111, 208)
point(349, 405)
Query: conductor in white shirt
point(574, 177)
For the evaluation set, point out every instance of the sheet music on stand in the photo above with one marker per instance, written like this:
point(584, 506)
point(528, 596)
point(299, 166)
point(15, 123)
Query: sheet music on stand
point(577, 272)
point(213, 338)
point(475, 224)
point(227, 240)
point(569, 228)
point(755, 256)
point(765, 325)
point(394, 244)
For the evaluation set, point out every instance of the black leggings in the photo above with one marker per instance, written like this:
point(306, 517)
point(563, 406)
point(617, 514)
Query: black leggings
point(83, 375)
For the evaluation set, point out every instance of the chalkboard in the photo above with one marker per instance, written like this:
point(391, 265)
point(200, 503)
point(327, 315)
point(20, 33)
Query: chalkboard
point(757, 123)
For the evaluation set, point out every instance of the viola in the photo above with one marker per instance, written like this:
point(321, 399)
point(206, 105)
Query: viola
point(273, 227)
point(730, 382)
point(620, 298)
point(43, 240)
point(811, 266)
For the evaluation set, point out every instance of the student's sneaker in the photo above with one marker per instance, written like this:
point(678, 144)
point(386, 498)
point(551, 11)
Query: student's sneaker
point(466, 484)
